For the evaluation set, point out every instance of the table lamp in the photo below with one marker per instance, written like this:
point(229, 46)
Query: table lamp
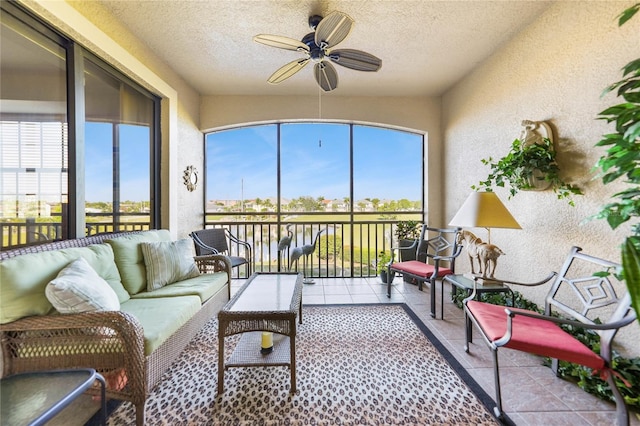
point(485, 210)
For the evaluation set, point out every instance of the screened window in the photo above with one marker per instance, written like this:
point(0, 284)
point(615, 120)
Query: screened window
point(338, 189)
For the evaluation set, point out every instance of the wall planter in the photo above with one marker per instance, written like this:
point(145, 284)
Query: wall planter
point(530, 165)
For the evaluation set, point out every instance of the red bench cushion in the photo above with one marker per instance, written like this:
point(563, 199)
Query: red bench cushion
point(533, 335)
point(419, 269)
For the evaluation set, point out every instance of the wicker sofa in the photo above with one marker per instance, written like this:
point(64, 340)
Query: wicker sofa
point(133, 346)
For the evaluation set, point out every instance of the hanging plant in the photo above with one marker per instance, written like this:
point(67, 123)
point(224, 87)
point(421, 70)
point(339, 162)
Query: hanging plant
point(528, 167)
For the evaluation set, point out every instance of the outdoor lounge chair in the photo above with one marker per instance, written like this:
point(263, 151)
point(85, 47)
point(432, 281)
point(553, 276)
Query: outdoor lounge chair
point(577, 298)
point(215, 241)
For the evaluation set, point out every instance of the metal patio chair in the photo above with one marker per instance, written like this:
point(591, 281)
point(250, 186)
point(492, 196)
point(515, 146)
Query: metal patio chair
point(436, 252)
point(215, 241)
point(577, 297)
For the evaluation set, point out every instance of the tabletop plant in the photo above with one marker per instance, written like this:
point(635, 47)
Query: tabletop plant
point(407, 230)
point(622, 161)
point(528, 167)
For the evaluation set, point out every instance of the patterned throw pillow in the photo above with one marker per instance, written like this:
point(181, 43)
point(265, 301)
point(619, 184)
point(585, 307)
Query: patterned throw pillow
point(78, 288)
point(168, 262)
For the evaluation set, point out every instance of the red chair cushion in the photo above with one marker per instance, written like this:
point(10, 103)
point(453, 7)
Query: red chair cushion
point(419, 269)
point(533, 335)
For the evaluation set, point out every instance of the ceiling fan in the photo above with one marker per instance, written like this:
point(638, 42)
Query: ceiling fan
point(317, 47)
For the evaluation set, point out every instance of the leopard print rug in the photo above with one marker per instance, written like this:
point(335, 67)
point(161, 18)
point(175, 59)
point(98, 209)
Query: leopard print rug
point(356, 365)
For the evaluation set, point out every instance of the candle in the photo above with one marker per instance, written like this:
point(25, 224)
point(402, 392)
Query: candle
point(267, 342)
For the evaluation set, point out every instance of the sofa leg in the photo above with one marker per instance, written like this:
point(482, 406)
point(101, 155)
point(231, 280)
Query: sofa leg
point(140, 414)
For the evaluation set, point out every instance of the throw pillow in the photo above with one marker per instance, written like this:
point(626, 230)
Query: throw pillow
point(168, 262)
point(78, 288)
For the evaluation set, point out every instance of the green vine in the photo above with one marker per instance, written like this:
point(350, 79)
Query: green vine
point(523, 165)
point(628, 368)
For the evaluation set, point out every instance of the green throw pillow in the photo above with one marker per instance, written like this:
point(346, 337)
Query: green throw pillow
point(78, 288)
point(168, 262)
point(128, 256)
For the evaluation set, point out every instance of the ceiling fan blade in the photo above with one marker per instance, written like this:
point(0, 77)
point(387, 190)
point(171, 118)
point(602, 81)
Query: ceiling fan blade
point(326, 76)
point(281, 42)
point(333, 29)
point(356, 59)
point(287, 71)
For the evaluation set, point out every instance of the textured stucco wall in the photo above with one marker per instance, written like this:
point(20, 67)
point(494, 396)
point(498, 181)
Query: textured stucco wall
point(554, 70)
point(95, 28)
point(415, 114)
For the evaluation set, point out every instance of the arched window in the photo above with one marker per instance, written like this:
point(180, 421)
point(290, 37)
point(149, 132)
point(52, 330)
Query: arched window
point(350, 182)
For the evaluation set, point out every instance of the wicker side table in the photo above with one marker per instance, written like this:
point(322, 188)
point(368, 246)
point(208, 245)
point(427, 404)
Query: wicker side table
point(266, 302)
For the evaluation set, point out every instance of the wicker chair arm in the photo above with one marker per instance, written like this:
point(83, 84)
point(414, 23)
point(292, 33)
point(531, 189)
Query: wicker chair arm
point(105, 341)
point(213, 263)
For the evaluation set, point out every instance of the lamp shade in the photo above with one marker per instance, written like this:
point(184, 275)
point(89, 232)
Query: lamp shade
point(484, 209)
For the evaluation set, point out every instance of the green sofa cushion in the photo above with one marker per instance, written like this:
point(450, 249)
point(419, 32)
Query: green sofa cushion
point(129, 258)
point(203, 286)
point(161, 317)
point(23, 278)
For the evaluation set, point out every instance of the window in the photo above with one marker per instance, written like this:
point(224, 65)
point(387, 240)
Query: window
point(43, 188)
point(347, 184)
point(118, 134)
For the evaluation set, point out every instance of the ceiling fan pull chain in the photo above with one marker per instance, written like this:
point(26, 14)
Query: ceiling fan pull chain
point(320, 115)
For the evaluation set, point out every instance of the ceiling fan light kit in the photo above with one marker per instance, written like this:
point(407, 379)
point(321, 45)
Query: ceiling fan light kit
point(316, 46)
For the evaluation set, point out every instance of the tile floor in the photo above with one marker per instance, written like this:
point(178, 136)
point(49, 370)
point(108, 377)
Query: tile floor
point(531, 394)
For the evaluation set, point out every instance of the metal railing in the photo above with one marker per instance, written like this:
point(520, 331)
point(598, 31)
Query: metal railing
point(342, 249)
point(16, 234)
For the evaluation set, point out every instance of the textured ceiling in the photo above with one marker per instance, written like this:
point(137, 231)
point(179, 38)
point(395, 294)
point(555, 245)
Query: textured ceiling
point(425, 46)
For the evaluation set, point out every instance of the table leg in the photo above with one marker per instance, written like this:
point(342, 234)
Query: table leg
point(292, 348)
point(220, 362)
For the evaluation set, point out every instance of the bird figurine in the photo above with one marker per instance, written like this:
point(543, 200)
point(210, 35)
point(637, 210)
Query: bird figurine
point(284, 244)
point(305, 251)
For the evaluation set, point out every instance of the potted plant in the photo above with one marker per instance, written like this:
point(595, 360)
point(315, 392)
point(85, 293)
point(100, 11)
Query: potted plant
point(528, 167)
point(407, 232)
point(622, 160)
point(382, 267)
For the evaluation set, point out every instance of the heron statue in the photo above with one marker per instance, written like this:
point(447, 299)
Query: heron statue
point(305, 251)
point(284, 244)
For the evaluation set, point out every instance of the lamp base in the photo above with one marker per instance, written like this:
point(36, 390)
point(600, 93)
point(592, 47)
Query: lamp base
point(266, 351)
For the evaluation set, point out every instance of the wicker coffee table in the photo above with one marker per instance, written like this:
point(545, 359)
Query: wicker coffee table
point(266, 302)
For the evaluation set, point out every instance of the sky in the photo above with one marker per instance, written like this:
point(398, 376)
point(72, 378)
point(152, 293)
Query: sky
point(315, 159)
point(134, 162)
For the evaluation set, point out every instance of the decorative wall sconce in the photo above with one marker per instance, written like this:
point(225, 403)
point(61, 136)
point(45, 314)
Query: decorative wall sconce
point(529, 165)
point(531, 135)
point(190, 178)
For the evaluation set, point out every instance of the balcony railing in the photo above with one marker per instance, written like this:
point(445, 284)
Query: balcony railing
point(17, 234)
point(343, 248)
